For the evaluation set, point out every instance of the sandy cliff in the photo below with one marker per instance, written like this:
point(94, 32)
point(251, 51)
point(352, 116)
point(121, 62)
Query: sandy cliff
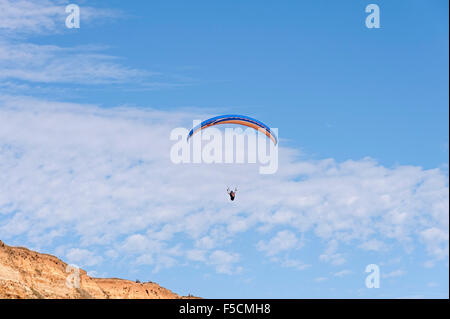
point(28, 274)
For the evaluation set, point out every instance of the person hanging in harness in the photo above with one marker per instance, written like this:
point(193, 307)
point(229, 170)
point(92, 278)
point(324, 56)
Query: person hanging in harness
point(232, 193)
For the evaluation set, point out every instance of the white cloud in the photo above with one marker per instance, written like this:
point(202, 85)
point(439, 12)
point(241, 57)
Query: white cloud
point(330, 255)
point(437, 241)
point(26, 66)
point(196, 255)
point(392, 261)
point(30, 16)
point(150, 251)
point(102, 177)
point(342, 273)
point(54, 64)
point(224, 262)
point(293, 263)
point(374, 245)
point(83, 257)
point(282, 241)
point(24, 17)
point(395, 273)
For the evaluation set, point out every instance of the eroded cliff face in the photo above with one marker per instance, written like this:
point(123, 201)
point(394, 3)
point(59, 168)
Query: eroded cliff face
point(29, 274)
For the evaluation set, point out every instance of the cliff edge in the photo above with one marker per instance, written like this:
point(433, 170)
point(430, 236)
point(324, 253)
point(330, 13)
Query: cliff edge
point(29, 274)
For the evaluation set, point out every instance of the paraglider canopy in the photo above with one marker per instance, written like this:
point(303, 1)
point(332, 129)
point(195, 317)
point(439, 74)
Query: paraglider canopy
point(235, 119)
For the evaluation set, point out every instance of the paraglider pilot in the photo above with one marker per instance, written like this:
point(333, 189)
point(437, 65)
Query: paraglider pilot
point(232, 193)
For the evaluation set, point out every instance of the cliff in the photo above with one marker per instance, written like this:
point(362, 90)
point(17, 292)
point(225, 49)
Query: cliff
point(29, 274)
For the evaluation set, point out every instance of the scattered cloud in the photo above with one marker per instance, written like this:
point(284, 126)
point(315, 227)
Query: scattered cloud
point(330, 255)
point(53, 64)
point(342, 273)
point(282, 241)
point(395, 273)
point(102, 179)
point(26, 66)
point(293, 263)
point(25, 17)
point(437, 240)
point(196, 255)
point(373, 245)
point(82, 257)
point(225, 262)
point(392, 261)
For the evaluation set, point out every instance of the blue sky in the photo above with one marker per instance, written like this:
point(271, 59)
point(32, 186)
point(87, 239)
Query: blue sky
point(364, 110)
point(313, 60)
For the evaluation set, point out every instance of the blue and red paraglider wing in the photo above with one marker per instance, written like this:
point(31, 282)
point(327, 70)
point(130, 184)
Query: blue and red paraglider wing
point(235, 119)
